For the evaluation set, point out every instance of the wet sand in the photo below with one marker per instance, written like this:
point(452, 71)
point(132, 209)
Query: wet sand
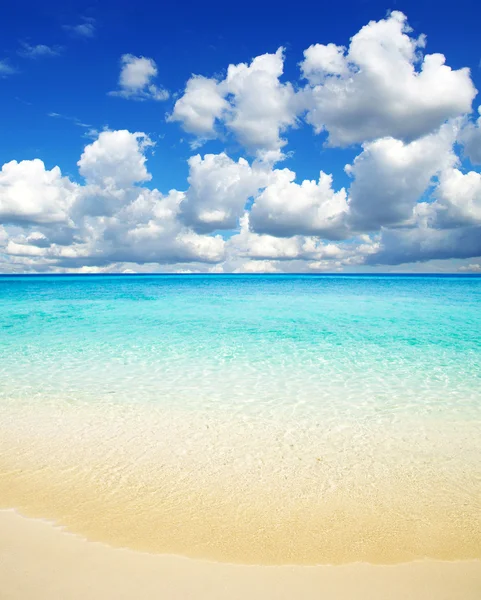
point(39, 561)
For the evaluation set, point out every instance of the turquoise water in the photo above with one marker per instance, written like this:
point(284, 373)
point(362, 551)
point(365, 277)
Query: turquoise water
point(243, 369)
point(85, 336)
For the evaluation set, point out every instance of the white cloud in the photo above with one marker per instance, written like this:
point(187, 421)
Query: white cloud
point(38, 50)
point(458, 201)
point(323, 60)
point(37, 238)
point(262, 107)
point(200, 106)
point(252, 245)
point(116, 158)
point(148, 230)
point(250, 102)
point(285, 208)
point(382, 86)
point(258, 266)
point(219, 189)
point(52, 223)
point(135, 80)
point(390, 176)
point(472, 268)
point(470, 137)
point(447, 228)
point(31, 193)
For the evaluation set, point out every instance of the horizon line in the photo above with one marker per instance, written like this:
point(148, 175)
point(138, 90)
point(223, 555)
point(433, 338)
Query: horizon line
point(174, 274)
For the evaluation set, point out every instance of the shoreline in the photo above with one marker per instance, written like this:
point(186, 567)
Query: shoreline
point(40, 560)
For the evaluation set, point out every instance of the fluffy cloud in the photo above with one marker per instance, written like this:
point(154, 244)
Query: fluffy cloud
point(29, 193)
point(258, 266)
point(382, 86)
point(258, 119)
point(292, 254)
point(390, 176)
point(252, 245)
point(447, 227)
point(218, 192)
point(460, 195)
point(285, 208)
point(148, 230)
point(53, 223)
point(470, 137)
point(115, 159)
point(135, 80)
point(458, 201)
point(250, 102)
point(200, 106)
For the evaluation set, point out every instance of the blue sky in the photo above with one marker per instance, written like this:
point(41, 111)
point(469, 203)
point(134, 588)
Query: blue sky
point(61, 61)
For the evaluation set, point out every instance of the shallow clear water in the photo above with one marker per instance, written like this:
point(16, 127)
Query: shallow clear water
point(250, 418)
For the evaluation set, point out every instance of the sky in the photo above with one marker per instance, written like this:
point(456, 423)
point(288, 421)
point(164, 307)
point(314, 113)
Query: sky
point(225, 137)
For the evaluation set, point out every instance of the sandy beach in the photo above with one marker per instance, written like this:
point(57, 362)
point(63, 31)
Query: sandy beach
point(39, 561)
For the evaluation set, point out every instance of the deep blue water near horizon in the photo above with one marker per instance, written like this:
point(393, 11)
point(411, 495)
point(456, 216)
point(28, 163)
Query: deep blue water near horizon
point(252, 382)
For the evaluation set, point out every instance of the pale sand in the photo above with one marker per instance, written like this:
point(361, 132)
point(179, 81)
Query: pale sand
point(38, 560)
point(213, 486)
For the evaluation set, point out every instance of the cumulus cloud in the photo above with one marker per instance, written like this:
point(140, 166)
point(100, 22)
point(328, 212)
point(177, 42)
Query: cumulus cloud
point(390, 176)
point(30, 193)
point(200, 106)
point(148, 230)
point(52, 223)
point(258, 266)
point(218, 191)
point(49, 222)
point(448, 226)
point(470, 137)
point(292, 254)
point(250, 102)
point(259, 119)
point(458, 200)
point(286, 208)
point(116, 158)
point(247, 243)
point(382, 86)
point(135, 80)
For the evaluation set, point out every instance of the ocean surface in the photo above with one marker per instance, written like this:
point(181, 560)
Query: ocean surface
point(270, 419)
